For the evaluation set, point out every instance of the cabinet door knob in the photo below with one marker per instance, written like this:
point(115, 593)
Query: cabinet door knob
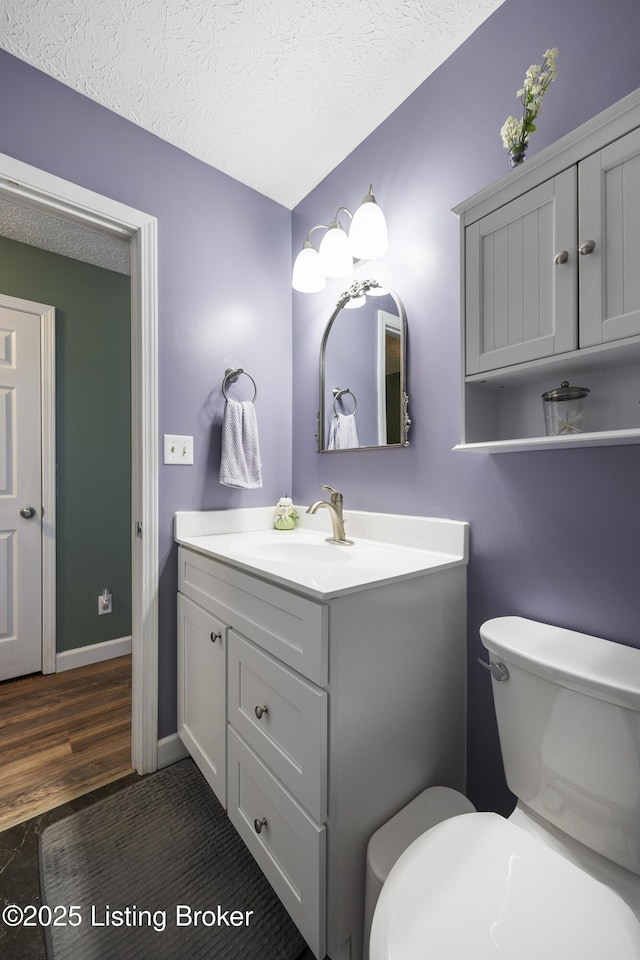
point(215, 636)
point(260, 710)
point(587, 247)
point(561, 257)
point(259, 824)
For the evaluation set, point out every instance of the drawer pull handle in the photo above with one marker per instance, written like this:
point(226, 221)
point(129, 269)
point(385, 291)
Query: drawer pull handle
point(259, 824)
point(587, 247)
point(215, 636)
point(260, 710)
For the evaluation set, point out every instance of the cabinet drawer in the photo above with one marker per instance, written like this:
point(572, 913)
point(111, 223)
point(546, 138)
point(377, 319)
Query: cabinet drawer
point(289, 848)
point(291, 733)
point(290, 627)
point(202, 685)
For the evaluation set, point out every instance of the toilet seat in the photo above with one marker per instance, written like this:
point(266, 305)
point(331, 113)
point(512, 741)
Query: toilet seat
point(479, 886)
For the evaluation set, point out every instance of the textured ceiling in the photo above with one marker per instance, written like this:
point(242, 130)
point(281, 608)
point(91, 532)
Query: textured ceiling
point(28, 225)
point(275, 93)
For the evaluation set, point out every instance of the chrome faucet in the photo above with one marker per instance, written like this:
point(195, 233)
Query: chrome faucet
point(335, 512)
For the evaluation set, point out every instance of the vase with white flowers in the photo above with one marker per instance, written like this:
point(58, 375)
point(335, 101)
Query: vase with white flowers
point(515, 133)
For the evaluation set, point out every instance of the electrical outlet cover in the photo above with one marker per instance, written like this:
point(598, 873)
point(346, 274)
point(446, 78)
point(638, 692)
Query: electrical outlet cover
point(105, 604)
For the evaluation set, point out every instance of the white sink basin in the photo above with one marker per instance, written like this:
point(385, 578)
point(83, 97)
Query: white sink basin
point(303, 559)
point(290, 550)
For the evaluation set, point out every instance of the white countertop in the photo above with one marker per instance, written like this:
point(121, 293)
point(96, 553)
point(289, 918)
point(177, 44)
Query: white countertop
point(302, 560)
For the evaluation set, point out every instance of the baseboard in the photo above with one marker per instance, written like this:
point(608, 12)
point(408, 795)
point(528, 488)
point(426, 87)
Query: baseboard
point(170, 750)
point(93, 653)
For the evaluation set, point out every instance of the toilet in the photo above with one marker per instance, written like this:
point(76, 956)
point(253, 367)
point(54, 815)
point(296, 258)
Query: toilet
point(560, 878)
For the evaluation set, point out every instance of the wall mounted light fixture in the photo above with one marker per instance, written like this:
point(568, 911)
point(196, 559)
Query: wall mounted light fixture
point(335, 257)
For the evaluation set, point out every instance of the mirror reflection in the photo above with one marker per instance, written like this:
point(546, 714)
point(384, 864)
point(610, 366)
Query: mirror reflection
point(363, 398)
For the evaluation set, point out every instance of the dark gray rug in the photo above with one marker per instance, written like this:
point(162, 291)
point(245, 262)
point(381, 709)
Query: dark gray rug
point(138, 865)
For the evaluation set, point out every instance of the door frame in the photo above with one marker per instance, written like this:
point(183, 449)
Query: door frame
point(29, 186)
point(388, 323)
point(47, 316)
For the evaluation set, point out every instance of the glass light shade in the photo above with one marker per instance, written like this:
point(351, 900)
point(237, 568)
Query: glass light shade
point(335, 253)
point(308, 276)
point(368, 232)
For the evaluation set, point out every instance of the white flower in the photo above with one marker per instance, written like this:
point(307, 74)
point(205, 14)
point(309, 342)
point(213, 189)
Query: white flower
point(515, 133)
point(511, 132)
point(551, 56)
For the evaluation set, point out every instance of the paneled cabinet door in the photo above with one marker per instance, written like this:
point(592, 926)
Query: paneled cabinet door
point(520, 296)
point(202, 686)
point(609, 199)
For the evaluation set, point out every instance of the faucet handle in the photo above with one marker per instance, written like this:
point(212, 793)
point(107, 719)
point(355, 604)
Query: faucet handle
point(335, 495)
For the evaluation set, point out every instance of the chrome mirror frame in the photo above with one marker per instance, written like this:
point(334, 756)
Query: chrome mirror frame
point(359, 289)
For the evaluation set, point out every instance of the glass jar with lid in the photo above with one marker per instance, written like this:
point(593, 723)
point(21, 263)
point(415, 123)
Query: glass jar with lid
point(564, 409)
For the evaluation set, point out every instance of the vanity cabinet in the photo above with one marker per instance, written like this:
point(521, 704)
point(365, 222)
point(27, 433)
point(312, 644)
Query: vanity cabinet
point(338, 712)
point(551, 289)
point(270, 735)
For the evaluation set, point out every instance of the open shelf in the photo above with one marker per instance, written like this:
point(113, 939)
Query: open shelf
point(602, 439)
point(503, 409)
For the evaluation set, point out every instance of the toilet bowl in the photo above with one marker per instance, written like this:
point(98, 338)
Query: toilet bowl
point(477, 886)
point(560, 878)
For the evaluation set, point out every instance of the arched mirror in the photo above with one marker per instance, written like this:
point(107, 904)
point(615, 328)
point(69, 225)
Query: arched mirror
point(363, 388)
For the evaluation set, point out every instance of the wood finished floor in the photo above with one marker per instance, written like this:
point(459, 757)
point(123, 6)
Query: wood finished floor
point(61, 736)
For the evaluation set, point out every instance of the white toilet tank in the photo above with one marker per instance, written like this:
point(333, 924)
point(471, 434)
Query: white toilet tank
point(569, 724)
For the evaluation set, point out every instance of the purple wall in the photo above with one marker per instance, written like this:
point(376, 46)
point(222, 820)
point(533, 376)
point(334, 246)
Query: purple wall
point(554, 535)
point(224, 295)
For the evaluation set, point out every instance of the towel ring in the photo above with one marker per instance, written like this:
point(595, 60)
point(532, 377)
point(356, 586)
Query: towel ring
point(338, 394)
point(231, 375)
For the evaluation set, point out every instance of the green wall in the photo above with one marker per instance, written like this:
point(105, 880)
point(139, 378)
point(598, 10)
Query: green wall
point(93, 434)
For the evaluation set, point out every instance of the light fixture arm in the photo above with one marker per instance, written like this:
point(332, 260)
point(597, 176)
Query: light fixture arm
point(335, 221)
point(319, 226)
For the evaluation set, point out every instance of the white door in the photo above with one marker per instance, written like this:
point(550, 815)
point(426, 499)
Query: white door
point(20, 493)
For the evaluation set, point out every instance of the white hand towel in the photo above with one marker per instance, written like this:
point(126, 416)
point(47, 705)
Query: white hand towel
point(240, 463)
point(343, 432)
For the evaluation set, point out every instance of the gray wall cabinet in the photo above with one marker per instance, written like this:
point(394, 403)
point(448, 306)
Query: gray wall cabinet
point(551, 290)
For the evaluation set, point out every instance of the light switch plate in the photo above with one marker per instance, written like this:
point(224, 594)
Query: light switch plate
point(178, 449)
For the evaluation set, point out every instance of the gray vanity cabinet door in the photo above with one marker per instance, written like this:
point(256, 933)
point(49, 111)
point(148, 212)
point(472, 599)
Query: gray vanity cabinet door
point(609, 199)
point(519, 303)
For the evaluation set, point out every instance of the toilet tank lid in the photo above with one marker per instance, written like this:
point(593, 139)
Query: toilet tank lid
point(600, 668)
